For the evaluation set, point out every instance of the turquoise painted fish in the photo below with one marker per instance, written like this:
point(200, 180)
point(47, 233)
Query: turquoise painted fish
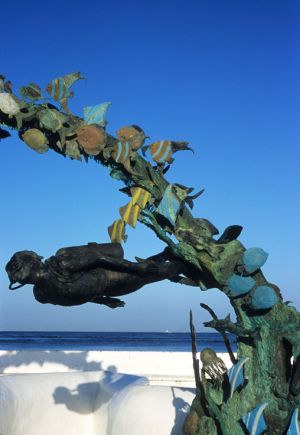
point(254, 420)
point(96, 114)
point(236, 375)
point(294, 427)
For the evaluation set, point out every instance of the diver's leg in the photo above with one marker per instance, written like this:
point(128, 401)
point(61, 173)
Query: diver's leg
point(97, 258)
point(121, 283)
point(111, 249)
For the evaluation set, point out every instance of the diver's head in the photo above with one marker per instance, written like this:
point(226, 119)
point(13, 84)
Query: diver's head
point(23, 268)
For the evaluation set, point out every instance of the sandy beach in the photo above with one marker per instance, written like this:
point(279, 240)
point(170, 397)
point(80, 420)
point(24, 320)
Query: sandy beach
point(161, 368)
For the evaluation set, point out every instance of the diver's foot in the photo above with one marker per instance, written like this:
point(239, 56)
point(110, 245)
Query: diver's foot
point(112, 302)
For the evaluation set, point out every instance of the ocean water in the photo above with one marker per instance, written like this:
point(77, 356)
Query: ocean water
point(138, 341)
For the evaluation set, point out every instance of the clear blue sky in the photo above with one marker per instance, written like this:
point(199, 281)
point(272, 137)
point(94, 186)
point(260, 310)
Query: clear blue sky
point(223, 75)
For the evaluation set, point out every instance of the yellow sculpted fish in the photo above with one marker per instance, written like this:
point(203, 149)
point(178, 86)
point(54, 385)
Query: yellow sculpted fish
point(116, 231)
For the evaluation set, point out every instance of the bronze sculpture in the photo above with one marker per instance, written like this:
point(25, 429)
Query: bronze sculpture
point(267, 329)
point(94, 273)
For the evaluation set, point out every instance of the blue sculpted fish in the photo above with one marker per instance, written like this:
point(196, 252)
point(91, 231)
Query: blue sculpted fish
point(96, 114)
point(255, 421)
point(236, 375)
point(294, 427)
point(170, 205)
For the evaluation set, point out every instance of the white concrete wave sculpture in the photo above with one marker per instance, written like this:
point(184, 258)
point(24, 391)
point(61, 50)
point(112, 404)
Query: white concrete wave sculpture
point(90, 403)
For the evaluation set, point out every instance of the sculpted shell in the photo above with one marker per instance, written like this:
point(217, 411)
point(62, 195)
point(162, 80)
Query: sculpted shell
point(8, 105)
point(36, 140)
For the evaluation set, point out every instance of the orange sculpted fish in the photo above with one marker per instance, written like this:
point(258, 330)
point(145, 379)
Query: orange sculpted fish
point(132, 134)
point(92, 139)
point(161, 151)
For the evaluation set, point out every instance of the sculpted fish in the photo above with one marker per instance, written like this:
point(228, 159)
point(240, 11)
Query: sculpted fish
point(122, 153)
point(32, 92)
point(132, 134)
point(140, 196)
point(96, 114)
point(72, 149)
point(236, 375)
point(254, 420)
point(162, 151)
point(92, 139)
point(170, 205)
point(59, 88)
point(116, 231)
point(130, 213)
point(36, 140)
point(294, 427)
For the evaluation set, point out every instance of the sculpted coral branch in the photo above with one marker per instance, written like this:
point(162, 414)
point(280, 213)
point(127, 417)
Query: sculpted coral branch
point(265, 384)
